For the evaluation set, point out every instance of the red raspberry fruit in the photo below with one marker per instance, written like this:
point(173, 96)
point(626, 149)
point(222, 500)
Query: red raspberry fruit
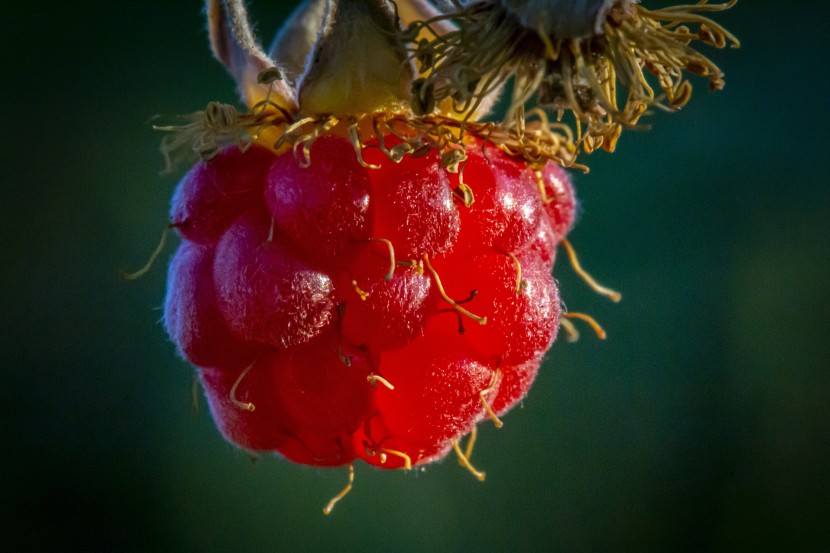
point(339, 311)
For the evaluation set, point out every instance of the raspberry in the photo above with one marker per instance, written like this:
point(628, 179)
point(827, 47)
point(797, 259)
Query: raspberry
point(367, 274)
point(346, 311)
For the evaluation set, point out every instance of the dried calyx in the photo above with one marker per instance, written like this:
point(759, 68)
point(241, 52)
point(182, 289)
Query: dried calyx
point(367, 69)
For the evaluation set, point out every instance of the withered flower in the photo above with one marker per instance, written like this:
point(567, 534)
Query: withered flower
point(569, 55)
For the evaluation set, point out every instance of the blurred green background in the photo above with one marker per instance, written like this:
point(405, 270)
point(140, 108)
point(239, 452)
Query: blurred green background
point(701, 424)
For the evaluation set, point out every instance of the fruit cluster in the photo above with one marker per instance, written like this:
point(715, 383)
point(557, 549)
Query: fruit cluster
point(346, 310)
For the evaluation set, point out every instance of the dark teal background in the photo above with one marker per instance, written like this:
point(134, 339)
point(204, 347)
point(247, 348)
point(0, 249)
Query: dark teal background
point(701, 424)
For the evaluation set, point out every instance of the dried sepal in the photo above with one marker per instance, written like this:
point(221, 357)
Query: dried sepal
point(295, 39)
point(641, 50)
point(357, 83)
point(233, 43)
point(571, 19)
point(412, 11)
point(357, 64)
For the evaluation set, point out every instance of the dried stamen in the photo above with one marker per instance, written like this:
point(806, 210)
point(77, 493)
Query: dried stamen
point(373, 379)
point(461, 329)
point(540, 183)
point(613, 295)
point(521, 283)
point(328, 509)
point(564, 69)
point(407, 460)
point(244, 406)
point(354, 138)
point(600, 332)
point(452, 159)
point(396, 153)
point(291, 130)
point(496, 421)
point(307, 140)
point(468, 299)
point(204, 133)
point(464, 193)
point(471, 442)
point(471, 297)
point(363, 294)
point(152, 259)
point(455, 304)
point(392, 262)
point(465, 462)
point(570, 330)
point(194, 396)
point(537, 144)
point(268, 77)
point(345, 359)
point(220, 124)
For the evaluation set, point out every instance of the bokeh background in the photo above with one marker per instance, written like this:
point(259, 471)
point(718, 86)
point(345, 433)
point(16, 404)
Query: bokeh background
point(701, 424)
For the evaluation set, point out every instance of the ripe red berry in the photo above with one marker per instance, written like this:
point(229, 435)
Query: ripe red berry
point(340, 311)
